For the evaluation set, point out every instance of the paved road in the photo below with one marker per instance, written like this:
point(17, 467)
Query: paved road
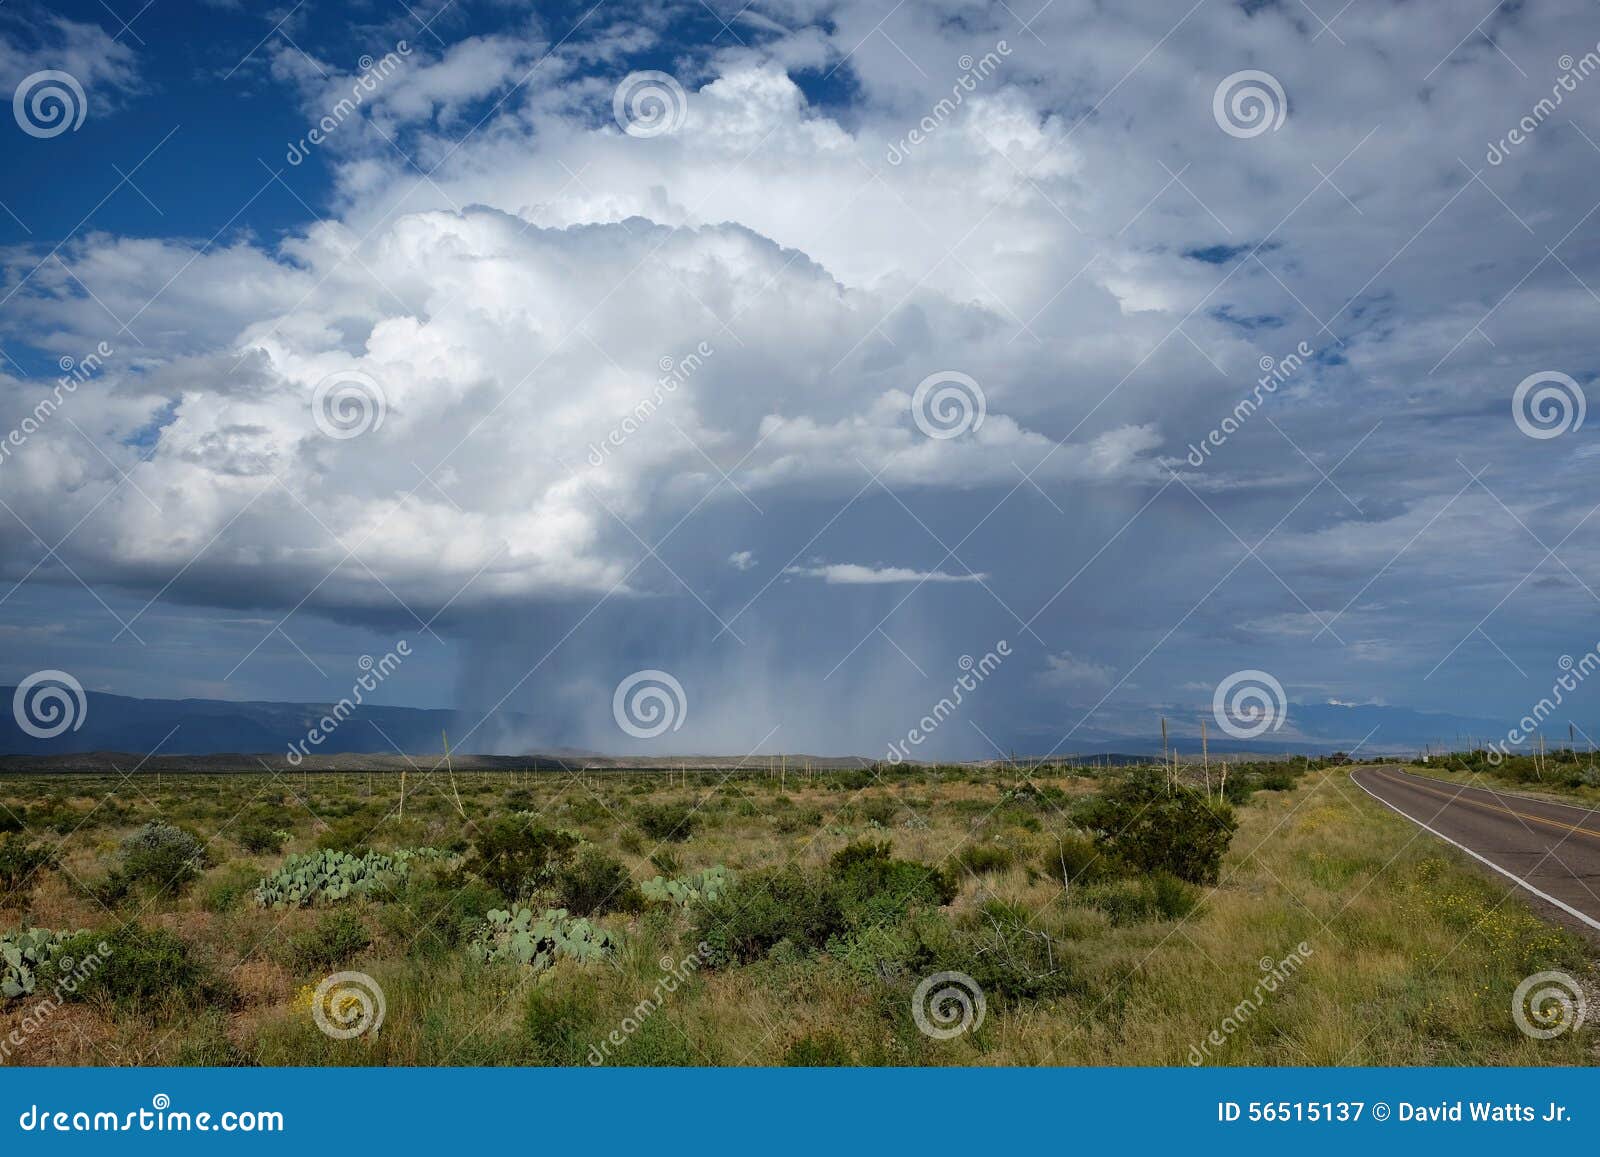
point(1550, 849)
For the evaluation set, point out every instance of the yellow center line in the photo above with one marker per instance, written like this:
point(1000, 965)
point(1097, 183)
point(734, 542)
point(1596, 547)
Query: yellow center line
point(1490, 807)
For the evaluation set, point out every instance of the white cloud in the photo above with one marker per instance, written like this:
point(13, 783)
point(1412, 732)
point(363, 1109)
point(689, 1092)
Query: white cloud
point(855, 574)
point(1068, 670)
point(106, 68)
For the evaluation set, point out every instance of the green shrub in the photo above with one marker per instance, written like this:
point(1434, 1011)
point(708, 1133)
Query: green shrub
point(20, 861)
point(818, 1050)
point(797, 820)
point(331, 942)
point(435, 913)
point(1161, 896)
point(261, 837)
point(228, 890)
point(1004, 951)
point(1152, 826)
point(162, 858)
point(596, 883)
point(981, 858)
point(1277, 779)
point(587, 810)
point(354, 832)
point(673, 822)
point(1074, 858)
point(788, 911)
point(517, 854)
point(768, 906)
point(879, 810)
point(146, 966)
point(561, 1023)
point(873, 885)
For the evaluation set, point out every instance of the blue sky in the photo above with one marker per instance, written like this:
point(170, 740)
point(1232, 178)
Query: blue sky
point(621, 393)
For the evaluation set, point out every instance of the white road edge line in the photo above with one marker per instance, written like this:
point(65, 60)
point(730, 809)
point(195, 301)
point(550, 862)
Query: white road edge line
point(1512, 876)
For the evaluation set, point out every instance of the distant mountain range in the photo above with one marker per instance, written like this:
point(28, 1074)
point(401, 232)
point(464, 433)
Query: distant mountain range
point(200, 727)
point(206, 726)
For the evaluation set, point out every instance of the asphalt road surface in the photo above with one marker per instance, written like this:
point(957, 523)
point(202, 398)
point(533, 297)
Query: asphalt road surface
point(1551, 850)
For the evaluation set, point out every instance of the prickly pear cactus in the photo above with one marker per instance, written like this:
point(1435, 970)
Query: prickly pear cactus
point(331, 876)
point(690, 889)
point(22, 954)
point(537, 942)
